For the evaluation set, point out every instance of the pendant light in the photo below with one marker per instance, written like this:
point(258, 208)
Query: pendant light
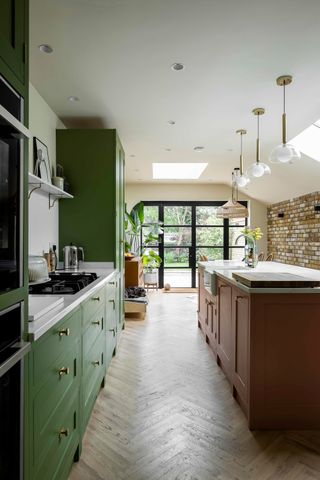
point(232, 208)
point(258, 169)
point(285, 152)
point(240, 177)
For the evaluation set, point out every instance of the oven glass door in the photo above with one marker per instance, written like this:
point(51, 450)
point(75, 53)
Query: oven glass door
point(10, 206)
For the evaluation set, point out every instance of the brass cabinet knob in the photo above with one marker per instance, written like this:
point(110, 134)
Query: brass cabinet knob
point(113, 330)
point(238, 298)
point(96, 322)
point(64, 432)
point(111, 283)
point(114, 304)
point(96, 363)
point(65, 332)
point(64, 371)
point(95, 299)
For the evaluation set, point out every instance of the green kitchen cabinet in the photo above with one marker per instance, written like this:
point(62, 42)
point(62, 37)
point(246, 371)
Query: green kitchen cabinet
point(54, 381)
point(14, 18)
point(93, 352)
point(112, 316)
point(93, 163)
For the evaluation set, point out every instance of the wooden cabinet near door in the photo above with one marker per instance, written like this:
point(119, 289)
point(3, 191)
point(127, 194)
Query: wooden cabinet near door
point(134, 273)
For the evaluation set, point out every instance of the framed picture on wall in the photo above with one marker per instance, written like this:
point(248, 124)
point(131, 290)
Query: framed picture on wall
point(41, 160)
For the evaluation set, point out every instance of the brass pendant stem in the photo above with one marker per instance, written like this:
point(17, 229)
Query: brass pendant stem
point(241, 164)
point(258, 151)
point(284, 128)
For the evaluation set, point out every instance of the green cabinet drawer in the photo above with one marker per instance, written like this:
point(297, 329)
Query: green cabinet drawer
point(94, 369)
point(57, 440)
point(59, 339)
point(63, 377)
point(95, 327)
point(92, 304)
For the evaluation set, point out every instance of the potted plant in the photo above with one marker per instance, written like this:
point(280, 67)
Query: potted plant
point(133, 229)
point(252, 235)
point(151, 262)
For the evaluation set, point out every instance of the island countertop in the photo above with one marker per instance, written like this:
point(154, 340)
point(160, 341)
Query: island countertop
point(226, 268)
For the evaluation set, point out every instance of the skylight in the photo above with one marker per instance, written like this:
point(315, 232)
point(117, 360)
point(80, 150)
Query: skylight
point(308, 141)
point(178, 171)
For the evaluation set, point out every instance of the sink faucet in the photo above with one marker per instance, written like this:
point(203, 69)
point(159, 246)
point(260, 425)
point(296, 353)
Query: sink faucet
point(250, 257)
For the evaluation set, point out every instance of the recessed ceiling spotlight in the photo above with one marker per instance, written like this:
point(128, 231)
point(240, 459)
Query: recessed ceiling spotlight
point(171, 122)
point(177, 67)
point(168, 149)
point(44, 48)
point(73, 99)
point(198, 149)
point(132, 155)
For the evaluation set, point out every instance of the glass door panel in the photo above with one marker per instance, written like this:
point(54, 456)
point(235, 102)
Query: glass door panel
point(177, 236)
point(207, 215)
point(177, 215)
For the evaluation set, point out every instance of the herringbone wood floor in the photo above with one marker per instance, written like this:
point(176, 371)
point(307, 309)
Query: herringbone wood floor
point(167, 413)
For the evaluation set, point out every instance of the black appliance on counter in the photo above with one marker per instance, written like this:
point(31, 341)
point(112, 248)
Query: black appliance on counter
point(63, 283)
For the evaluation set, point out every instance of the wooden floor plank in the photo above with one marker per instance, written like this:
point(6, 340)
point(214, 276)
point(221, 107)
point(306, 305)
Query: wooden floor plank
point(167, 413)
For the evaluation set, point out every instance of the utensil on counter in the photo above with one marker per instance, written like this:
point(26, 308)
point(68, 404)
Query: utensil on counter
point(72, 255)
point(38, 269)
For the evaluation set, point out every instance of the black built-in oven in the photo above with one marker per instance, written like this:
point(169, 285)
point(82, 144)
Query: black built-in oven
point(12, 347)
point(12, 352)
point(11, 188)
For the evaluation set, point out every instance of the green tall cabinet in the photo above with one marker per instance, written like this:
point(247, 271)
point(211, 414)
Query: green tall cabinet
point(93, 162)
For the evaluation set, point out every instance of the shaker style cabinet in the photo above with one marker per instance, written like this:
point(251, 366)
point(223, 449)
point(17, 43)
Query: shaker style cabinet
point(14, 43)
point(224, 340)
point(93, 162)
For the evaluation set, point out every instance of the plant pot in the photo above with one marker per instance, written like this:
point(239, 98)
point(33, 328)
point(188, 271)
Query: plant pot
point(151, 277)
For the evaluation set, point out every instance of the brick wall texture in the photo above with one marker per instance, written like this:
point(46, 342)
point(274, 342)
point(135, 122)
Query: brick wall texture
point(295, 238)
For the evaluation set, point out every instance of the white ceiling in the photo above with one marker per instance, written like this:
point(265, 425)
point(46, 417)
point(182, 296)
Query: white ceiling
point(115, 55)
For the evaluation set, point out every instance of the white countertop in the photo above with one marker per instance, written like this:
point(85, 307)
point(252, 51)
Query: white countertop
point(225, 268)
point(43, 323)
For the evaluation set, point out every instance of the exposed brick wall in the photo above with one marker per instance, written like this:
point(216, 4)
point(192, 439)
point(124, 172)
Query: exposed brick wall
point(295, 238)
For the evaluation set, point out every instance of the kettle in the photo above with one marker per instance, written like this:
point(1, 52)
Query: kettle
point(71, 257)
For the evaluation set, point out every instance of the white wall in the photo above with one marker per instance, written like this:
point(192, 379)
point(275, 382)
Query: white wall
point(204, 192)
point(43, 223)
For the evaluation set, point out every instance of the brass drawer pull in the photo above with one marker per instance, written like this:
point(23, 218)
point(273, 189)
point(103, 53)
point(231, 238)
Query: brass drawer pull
point(65, 332)
point(113, 330)
point(96, 322)
point(64, 371)
point(95, 299)
point(64, 432)
point(96, 363)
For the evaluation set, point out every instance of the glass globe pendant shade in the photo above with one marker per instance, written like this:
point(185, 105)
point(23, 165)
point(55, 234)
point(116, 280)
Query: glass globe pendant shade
point(258, 169)
point(242, 180)
point(285, 153)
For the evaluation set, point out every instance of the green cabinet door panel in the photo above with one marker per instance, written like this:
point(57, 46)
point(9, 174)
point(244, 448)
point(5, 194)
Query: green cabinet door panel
point(14, 43)
point(56, 342)
point(57, 440)
point(89, 220)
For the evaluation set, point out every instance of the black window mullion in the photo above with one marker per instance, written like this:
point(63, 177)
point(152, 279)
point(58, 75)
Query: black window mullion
point(161, 247)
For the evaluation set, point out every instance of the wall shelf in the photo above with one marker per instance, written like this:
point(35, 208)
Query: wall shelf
point(55, 193)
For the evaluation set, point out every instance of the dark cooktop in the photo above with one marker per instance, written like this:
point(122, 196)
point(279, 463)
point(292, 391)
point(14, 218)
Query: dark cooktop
point(63, 283)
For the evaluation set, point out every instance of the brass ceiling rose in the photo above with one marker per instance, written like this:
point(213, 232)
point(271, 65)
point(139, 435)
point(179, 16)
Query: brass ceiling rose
point(284, 80)
point(258, 111)
point(241, 131)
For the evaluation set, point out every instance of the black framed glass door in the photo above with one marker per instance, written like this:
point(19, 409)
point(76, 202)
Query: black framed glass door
point(190, 230)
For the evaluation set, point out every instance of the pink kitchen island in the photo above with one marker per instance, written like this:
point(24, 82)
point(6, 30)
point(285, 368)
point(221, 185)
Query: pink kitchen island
point(265, 339)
